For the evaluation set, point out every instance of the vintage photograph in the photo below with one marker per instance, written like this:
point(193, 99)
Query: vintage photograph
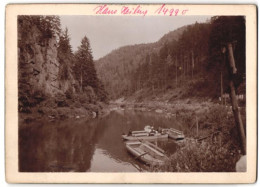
point(131, 93)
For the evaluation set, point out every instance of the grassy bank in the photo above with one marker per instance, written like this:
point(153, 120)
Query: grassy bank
point(212, 147)
point(212, 142)
point(61, 108)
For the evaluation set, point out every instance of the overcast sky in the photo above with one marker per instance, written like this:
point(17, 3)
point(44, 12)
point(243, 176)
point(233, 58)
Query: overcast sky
point(111, 32)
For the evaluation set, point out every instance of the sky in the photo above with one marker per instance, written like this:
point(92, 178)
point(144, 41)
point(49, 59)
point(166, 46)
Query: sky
point(107, 33)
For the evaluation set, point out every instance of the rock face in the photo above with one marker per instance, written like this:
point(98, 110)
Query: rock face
point(46, 82)
point(38, 65)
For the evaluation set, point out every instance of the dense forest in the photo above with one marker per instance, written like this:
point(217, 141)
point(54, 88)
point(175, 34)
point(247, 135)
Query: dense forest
point(189, 57)
point(53, 78)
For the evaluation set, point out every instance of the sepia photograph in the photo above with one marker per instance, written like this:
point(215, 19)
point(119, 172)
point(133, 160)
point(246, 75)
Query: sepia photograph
point(132, 92)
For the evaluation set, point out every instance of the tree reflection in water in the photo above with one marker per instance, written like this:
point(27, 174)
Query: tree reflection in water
point(80, 146)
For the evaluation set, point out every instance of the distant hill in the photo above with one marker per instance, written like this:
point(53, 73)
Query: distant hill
point(172, 35)
point(188, 59)
point(116, 68)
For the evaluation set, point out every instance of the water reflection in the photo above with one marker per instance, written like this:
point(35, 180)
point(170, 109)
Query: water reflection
point(80, 146)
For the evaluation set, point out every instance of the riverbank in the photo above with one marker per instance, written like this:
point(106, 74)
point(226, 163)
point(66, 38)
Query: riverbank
point(212, 140)
point(60, 109)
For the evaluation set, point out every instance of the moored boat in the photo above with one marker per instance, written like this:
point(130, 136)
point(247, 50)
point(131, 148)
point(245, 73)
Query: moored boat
point(147, 152)
point(145, 136)
point(174, 133)
point(147, 129)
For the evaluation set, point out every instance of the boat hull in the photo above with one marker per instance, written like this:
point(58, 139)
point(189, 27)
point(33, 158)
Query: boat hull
point(174, 134)
point(126, 137)
point(135, 148)
point(176, 137)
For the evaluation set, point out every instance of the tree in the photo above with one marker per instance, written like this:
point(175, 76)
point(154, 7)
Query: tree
point(227, 29)
point(64, 47)
point(84, 69)
point(227, 34)
point(65, 56)
point(50, 26)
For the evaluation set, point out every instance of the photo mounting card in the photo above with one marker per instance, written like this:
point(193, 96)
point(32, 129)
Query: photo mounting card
point(131, 93)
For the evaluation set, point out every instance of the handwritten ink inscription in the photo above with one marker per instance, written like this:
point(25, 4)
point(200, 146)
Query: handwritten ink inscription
point(170, 11)
point(138, 10)
point(104, 9)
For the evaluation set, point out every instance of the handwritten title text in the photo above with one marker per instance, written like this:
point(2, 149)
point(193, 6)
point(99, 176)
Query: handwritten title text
point(138, 10)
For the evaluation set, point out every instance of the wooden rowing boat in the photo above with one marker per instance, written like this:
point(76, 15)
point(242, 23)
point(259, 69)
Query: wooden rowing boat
point(147, 152)
point(137, 132)
point(147, 129)
point(174, 133)
point(147, 134)
point(144, 136)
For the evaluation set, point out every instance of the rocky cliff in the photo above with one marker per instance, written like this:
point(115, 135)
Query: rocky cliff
point(38, 65)
point(46, 85)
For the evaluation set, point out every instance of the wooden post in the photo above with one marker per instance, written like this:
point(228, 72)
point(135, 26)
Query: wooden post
point(235, 108)
point(221, 75)
point(81, 79)
point(184, 67)
point(221, 87)
point(192, 64)
point(197, 125)
point(231, 59)
point(176, 61)
point(165, 76)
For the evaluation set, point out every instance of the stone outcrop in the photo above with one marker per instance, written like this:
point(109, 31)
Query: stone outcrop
point(39, 67)
point(46, 83)
point(38, 64)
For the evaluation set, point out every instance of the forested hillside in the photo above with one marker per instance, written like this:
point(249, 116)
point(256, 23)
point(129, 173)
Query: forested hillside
point(188, 59)
point(53, 80)
point(116, 70)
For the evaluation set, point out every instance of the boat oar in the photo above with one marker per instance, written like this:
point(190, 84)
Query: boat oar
point(141, 155)
point(139, 140)
point(139, 169)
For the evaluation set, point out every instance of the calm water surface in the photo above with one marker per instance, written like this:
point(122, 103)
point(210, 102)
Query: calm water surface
point(87, 146)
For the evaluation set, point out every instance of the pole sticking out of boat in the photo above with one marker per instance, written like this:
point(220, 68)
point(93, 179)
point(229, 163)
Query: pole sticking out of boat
point(141, 155)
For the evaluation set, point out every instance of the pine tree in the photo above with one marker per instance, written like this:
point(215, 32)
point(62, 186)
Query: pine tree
point(85, 71)
point(65, 56)
point(50, 26)
point(64, 43)
point(226, 29)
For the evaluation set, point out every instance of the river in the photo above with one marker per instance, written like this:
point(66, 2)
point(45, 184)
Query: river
point(77, 145)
